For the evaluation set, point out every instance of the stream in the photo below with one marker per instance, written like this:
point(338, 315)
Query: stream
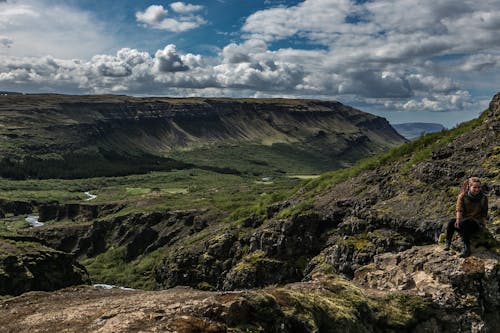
point(110, 286)
point(33, 219)
point(90, 196)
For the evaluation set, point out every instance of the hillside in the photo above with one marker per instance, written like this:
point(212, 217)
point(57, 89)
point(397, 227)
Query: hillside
point(414, 130)
point(353, 250)
point(63, 136)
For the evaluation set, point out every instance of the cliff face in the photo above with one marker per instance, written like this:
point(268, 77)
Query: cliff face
point(27, 265)
point(54, 130)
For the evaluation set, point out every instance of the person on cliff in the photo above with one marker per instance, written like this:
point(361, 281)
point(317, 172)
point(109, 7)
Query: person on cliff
point(471, 214)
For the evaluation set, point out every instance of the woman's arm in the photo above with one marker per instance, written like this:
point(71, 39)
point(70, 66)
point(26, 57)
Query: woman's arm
point(459, 209)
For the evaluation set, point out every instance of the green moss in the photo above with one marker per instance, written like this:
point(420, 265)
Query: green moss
point(205, 286)
point(248, 262)
point(360, 242)
point(492, 163)
point(338, 306)
point(320, 265)
point(302, 207)
point(401, 310)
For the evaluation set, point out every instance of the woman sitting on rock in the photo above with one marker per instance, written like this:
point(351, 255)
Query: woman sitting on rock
point(471, 214)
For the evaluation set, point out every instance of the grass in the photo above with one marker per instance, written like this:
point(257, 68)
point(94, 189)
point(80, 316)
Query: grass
point(233, 196)
point(259, 160)
point(10, 224)
point(112, 268)
point(415, 151)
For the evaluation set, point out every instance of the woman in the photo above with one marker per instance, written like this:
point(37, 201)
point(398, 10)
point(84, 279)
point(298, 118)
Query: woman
point(471, 214)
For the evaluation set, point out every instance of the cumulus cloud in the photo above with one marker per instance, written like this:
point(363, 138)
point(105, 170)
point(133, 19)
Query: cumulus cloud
point(168, 60)
point(457, 101)
point(376, 50)
point(183, 8)
point(237, 53)
point(157, 17)
point(408, 55)
point(153, 15)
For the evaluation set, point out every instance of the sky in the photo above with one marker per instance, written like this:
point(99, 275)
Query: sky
point(405, 60)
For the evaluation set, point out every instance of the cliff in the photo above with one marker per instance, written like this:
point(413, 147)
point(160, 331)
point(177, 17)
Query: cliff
point(62, 136)
point(27, 265)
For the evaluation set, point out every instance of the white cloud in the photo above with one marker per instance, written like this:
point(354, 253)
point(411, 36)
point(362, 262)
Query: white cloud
point(399, 51)
point(183, 8)
point(236, 53)
point(153, 15)
point(168, 60)
point(156, 16)
point(400, 55)
point(480, 62)
point(40, 28)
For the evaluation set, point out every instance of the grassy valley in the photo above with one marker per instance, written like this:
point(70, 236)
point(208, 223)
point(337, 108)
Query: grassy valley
point(226, 160)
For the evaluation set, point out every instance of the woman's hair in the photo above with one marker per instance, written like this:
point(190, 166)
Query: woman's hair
point(466, 184)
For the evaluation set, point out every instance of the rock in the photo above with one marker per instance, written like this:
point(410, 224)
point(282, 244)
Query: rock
point(27, 266)
point(81, 212)
point(327, 303)
point(457, 286)
point(15, 207)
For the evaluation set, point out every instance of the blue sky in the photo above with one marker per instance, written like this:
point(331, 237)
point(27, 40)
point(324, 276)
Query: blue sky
point(412, 60)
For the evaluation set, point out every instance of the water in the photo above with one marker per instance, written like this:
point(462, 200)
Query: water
point(33, 221)
point(90, 196)
point(110, 286)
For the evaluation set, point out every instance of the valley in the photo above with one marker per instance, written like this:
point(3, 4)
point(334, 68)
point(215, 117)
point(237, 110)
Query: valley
point(314, 212)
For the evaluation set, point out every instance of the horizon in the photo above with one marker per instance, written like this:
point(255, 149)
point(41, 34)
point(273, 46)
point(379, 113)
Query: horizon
point(412, 61)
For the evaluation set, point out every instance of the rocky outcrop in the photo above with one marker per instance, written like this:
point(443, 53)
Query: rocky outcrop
point(466, 289)
point(251, 258)
point(27, 266)
point(140, 233)
point(75, 211)
point(325, 304)
point(15, 207)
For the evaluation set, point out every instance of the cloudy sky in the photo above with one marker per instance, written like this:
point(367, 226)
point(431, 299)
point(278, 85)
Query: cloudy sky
point(407, 60)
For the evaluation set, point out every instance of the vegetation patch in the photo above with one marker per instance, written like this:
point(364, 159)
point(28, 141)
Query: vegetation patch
point(111, 267)
point(401, 310)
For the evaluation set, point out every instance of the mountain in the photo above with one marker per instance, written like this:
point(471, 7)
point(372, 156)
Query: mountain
point(414, 130)
point(355, 250)
point(63, 136)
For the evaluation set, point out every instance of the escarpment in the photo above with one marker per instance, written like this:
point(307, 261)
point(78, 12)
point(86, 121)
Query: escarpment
point(63, 136)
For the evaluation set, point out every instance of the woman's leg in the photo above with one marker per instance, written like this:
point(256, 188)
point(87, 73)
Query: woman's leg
point(450, 230)
point(467, 228)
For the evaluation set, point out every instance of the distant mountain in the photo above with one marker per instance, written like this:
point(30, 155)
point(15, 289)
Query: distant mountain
point(414, 130)
point(64, 136)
